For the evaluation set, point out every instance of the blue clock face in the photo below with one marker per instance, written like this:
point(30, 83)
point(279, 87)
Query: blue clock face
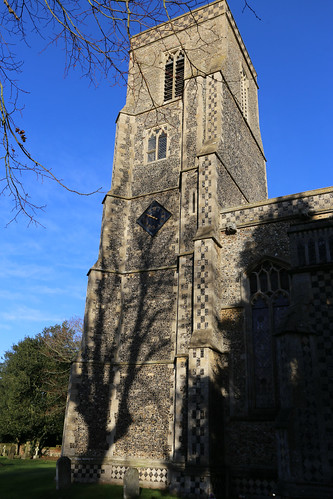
point(153, 218)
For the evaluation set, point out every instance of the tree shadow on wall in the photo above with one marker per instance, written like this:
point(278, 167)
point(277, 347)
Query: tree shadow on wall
point(122, 358)
point(122, 393)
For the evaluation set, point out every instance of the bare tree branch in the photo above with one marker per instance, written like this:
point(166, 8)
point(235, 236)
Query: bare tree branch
point(96, 37)
point(247, 6)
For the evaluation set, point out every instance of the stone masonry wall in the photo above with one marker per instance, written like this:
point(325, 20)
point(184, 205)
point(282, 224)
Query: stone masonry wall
point(144, 398)
point(262, 231)
point(163, 371)
point(149, 308)
point(240, 153)
point(144, 252)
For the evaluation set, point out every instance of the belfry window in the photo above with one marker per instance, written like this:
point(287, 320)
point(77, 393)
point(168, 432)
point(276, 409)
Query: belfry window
point(269, 300)
point(174, 76)
point(157, 145)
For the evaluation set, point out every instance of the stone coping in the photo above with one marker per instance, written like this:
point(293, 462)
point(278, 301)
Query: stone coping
point(304, 207)
point(287, 197)
point(192, 18)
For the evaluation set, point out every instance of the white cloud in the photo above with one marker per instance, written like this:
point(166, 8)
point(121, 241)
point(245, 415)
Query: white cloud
point(73, 291)
point(16, 249)
point(24, 271)
point(6, 294)
point(30, 314)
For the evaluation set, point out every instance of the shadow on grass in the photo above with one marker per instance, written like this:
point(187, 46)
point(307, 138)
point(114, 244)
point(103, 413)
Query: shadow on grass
point(35, 479)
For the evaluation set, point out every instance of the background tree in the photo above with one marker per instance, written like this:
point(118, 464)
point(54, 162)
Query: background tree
point(34, 382)
point(60, 345)
point(23, 402)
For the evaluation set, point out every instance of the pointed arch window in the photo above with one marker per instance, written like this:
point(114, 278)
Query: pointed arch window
point(269, 301)
point(174, 76)
point(157, 145)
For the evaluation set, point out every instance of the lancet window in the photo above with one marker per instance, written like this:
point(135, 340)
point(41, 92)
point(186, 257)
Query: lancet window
point(174, 76)
point(269, 301)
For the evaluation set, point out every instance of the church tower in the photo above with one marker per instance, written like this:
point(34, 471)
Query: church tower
point(150, 387)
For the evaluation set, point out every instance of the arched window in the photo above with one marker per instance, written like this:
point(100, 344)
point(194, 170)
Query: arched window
point(157, 145)
point(174, 76)
point(269, 301)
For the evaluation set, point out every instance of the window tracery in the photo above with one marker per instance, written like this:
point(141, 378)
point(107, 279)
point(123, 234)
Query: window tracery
point(269, 301)
point(157, 144)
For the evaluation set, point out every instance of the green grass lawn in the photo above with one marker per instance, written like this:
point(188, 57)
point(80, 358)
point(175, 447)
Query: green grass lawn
point(35, 479)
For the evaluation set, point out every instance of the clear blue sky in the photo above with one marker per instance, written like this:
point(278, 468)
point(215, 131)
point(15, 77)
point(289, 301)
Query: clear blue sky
point(70, 127)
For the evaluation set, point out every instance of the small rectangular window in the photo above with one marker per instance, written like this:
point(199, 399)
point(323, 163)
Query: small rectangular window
point(244, 88)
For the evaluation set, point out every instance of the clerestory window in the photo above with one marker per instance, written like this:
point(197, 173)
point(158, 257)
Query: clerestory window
point(174, 76)
point(157, 145)
point(269, 301)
